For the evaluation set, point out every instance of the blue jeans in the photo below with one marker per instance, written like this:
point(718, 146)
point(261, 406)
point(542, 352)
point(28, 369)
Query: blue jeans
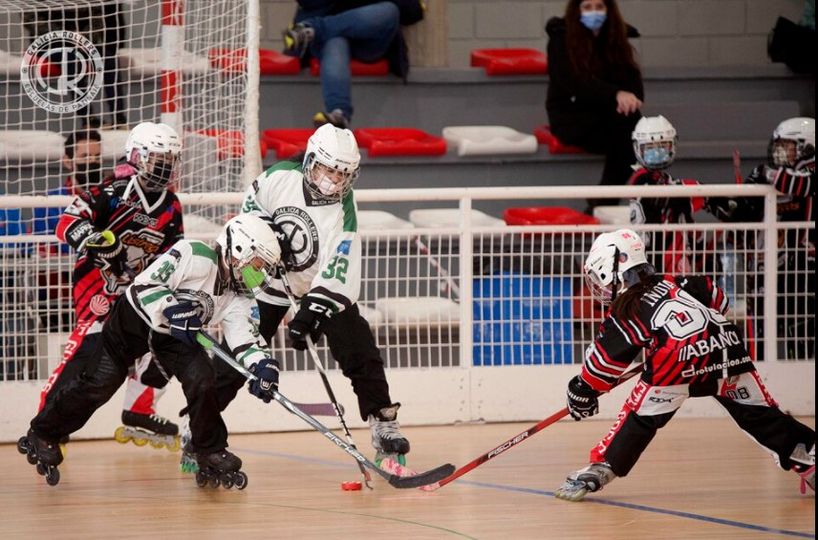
point(363, 33)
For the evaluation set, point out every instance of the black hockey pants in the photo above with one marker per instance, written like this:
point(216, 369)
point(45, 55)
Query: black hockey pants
point(125, 338)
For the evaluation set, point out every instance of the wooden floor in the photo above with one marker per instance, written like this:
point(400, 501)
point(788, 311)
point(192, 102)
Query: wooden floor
point(701, 478)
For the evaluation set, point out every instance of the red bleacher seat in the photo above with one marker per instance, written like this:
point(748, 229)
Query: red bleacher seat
point(399, 142)
point(230, 144)
point(270, 62)
point(356, 67)
point(555, 146)
point(510, 61)
point(287, 142)
point(547, 215)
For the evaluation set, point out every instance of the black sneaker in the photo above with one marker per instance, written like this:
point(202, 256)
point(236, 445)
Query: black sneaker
point(297, 39)
point(336, 117)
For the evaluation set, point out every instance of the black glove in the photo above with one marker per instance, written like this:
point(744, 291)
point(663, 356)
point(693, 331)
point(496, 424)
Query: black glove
point(582, 399)
point(720, 207)
point(267, 381)
point(308, 321)
point(105, 250)
point(184, 322)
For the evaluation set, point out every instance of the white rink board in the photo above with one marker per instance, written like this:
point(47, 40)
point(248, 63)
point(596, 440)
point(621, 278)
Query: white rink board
point(429, 397)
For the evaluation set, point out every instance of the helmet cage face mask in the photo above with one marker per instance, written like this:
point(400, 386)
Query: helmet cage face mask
point(155, 170)
point(601, 278)
point(793, 141)
point(251, 265)
point(326, 181)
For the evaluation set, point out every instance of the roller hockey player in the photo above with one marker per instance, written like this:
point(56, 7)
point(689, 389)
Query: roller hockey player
point(189, 286)
point(118, 228)
point(654, 144)
point(691, 350)
point(790, 168)
point(313, 210)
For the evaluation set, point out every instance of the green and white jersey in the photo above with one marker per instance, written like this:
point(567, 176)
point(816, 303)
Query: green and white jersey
point(323, 236)
point(189, 272)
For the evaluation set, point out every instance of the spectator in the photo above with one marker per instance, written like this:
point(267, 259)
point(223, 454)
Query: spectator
point(595, 90)
point(335, 32)
point(82, 158)
point(790, 168)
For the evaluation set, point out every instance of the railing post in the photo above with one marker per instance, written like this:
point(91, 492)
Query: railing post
point(466, 313)
point(770, 278)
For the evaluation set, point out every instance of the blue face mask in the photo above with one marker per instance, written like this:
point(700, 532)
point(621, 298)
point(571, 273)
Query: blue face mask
point(656, 157)
point(593, 20)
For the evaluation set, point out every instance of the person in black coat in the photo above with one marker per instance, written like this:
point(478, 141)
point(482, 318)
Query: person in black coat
point(595, 91)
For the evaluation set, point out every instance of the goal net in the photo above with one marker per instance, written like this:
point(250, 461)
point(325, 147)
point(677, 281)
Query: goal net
point(70, 65)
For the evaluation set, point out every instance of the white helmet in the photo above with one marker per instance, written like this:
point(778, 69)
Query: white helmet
point(793, 141)
point(154, 151)
point(331, 162)
point(654, 142)
point(612, 254)
point(251, 252)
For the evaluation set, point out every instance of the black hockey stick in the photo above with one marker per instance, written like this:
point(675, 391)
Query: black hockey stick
point(401, 482)
point(339, 411)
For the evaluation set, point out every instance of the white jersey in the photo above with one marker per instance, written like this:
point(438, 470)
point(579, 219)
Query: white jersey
point(189, 272)
point(323, 236)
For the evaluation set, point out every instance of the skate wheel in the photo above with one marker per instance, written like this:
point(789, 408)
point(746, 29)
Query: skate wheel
point(175, 446)
point(214, 482)
point(41, 469)
point(240, 480)
point(140, 441)
point(52, 476)
point(63, 450)
point(22, 445)
point(157, 444)
point(402, 459)
point(120, 436)
point(201, 479)
point(227, 481)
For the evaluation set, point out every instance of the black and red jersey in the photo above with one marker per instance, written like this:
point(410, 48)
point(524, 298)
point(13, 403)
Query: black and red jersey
point(146, 223)
point(682, 330)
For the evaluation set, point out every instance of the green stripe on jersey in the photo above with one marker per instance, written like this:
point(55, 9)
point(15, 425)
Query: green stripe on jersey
point(283, 166)
point(203, 250)
point(350, 217)
point(154, 296)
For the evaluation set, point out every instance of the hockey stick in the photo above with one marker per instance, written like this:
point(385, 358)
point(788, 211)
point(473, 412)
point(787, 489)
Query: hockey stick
point(520, 437)
point(339, 411)
point(400, 482)
point(737, 166)
point(424, 250)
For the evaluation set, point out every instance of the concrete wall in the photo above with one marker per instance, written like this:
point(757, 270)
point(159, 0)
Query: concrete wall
point(675, 32)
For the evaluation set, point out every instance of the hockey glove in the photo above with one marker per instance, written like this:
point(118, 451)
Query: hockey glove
point(267, 381)
point(721, 207)
point(308, 321)
point(184, 322)
point(105, 251)
point(582, 399)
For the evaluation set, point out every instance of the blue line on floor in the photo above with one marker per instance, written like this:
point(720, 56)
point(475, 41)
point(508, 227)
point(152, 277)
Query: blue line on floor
point(531, 491)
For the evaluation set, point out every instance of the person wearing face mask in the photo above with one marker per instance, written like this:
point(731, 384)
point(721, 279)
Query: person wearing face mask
point(118, 226)
point(595, 89)
point(311, 207)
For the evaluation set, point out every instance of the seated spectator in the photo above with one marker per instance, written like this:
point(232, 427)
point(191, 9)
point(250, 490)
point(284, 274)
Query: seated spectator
point(82, 158)
point(335, 32)
point(595, 90)
point(790, 168)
